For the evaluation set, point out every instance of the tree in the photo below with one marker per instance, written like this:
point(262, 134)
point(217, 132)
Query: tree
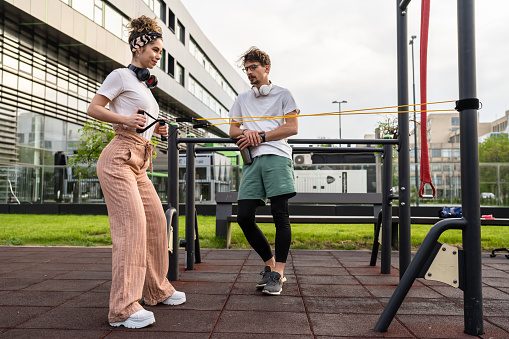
point(494, 149)
point(494, 178)
point(95, 135)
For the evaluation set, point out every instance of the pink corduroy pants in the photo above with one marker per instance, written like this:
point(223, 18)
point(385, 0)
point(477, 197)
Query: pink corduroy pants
point(137, 223)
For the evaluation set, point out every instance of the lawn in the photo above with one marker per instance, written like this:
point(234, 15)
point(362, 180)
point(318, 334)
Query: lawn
point(88, 230)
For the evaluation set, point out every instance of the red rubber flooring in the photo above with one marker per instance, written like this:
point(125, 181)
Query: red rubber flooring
point(62, 292)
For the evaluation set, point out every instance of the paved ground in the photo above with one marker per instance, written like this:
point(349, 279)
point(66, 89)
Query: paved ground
point(48, 292)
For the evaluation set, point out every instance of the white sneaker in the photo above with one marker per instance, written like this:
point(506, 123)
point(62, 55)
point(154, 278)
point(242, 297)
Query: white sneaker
point(176, 298)
point(139, 319)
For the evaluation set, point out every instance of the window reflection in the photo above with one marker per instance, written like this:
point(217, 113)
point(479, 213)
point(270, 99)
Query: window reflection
point(73, 136)
point(54, 134)
point(30, 129)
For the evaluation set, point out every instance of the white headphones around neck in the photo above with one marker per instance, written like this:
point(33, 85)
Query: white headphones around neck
point(264, 90)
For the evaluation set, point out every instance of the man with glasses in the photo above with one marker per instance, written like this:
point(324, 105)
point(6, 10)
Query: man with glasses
point(262, 119)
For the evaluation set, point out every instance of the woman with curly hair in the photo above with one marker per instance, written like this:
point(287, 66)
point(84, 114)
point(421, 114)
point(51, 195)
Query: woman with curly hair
point(137, 220)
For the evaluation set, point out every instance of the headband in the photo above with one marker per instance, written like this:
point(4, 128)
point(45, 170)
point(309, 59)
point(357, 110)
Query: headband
point(143, 40)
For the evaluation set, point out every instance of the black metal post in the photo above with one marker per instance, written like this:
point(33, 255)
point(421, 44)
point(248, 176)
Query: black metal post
point(473, 313)
point(190, 204)
point(414, 269)
point(173, 198)
point(416, 154)
point(386, 210)
point(404, 144)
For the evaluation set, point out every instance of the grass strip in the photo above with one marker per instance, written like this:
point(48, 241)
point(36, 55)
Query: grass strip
point(93, 230)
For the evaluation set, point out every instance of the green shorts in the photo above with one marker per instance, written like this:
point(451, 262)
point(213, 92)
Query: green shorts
point(266, 177)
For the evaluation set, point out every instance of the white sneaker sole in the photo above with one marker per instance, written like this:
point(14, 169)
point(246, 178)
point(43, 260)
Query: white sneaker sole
point(138, 323)
point(175, 302)
point(273, 293)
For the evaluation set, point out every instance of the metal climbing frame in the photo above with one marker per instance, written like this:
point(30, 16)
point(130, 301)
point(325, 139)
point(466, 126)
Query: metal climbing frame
point(191, 240)
point(469, 261)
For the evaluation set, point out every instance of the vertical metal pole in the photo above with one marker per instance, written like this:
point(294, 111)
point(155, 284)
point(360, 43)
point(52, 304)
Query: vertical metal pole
point(190, 204)
point(173, 198)
point(472, 296)
point(404, 147)
point(416, 154)
point(386, 211)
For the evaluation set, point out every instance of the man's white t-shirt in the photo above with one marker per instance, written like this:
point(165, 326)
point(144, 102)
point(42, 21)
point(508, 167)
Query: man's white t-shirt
point(127, 94)
point(278, 102)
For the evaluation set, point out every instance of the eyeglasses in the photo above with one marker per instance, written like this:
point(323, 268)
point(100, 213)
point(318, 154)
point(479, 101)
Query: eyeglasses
point(250, 68)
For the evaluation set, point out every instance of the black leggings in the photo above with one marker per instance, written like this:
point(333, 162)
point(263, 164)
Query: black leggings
point(256, 238)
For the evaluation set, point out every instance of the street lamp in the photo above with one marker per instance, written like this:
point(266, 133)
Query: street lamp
point(339, 111)
point(415, 125)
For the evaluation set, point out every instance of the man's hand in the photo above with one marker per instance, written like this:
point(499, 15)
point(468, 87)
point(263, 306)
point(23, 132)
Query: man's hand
point(249, 138)
point(136, 120)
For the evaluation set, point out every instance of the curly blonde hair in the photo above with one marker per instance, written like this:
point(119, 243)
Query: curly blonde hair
point(141, 26)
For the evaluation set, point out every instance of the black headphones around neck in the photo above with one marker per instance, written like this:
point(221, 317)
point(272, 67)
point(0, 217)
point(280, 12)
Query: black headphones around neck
point(143, 74)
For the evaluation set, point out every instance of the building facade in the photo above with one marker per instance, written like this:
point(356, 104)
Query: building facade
point(55, 54)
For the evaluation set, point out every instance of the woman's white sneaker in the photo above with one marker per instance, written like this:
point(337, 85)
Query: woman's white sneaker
point(176, 298)
point(139, 319)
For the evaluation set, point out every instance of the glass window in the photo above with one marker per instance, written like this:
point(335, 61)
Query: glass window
point(30, 129)
point(51, 94)
point(72, 102)
point(28, 155)
point(25, 85)
point(98, 12)
point(447, 167)
point(82, 105)
point(436, 153)
point(24, 67)
point(447, 153)
point(62, 98)
point(54, 134)
point(181, 32)
point(162, 62)
point(171, 20)
point(455, 121)
point(171, 65)
point(38, 89)
point(73, 136)
point(85, 7)
point(63, 84)
point(180, 74)
point(436, 167)
point(10, 80)
point(113, 21)
point(39, 74)
point(10, 62)
point(438, 180)
point(457, 153)
point(157, 8)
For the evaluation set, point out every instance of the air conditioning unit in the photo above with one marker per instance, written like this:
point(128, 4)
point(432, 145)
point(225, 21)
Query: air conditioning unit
point(302, 159)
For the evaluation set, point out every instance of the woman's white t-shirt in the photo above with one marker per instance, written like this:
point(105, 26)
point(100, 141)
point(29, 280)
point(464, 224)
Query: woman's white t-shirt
point(126, 94)
point(278, 102)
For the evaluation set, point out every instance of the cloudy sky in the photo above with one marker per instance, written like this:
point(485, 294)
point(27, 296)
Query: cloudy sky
point(328, 50)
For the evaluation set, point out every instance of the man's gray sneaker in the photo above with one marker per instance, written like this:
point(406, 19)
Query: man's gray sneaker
point(275, 284)
point(265, 273)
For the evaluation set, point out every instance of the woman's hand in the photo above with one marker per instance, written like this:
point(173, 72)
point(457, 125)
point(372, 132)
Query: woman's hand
point(162, 130)
point(136, 120)
point(249, 138)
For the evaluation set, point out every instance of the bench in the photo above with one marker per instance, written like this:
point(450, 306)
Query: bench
point(225, 216)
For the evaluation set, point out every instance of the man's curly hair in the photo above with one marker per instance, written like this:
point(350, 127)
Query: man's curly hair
point(254, 54)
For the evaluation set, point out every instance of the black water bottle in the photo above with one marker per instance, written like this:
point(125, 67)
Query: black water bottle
point(161, 124)
point(142, 112)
